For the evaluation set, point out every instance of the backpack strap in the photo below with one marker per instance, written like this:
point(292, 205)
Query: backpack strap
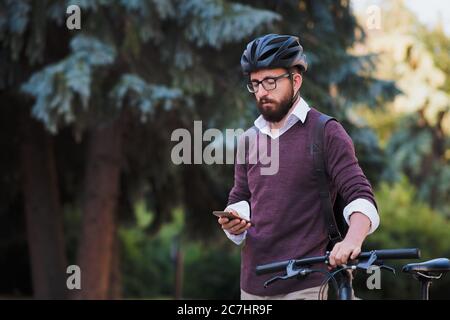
point(317, 151)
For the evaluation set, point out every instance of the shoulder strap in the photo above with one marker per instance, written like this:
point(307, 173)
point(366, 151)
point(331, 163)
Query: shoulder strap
point(320, 173)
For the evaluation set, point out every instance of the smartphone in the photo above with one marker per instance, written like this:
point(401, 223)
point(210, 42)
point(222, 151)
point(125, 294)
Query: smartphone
point(229, 215)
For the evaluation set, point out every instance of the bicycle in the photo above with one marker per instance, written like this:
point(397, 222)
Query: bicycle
point(425, 272)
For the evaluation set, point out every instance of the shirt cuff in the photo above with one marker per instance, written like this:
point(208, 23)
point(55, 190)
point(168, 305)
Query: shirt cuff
point(236, 238)
point(365, 207)
point(243, 210)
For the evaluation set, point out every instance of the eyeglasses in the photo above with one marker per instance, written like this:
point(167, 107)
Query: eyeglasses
point(267, 83)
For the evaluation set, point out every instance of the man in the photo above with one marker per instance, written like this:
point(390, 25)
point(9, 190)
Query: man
point(285, 207)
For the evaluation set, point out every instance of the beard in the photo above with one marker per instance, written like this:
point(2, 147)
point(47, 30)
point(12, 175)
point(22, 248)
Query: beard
point(277, 110)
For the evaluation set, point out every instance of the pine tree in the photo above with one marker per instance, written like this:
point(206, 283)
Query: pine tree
point(131, 60)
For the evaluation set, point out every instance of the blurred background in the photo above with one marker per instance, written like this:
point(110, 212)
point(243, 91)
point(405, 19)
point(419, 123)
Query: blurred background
point(86, 117)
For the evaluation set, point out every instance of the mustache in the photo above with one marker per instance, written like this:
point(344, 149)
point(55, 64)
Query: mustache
point(266, 100)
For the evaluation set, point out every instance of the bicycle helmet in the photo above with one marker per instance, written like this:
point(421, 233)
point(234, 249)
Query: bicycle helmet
point(273, 51)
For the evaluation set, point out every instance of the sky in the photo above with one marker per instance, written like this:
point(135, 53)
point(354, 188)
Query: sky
point(428, 11)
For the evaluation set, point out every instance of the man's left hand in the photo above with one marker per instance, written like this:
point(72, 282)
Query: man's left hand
point(350, 247)
point(344, 250)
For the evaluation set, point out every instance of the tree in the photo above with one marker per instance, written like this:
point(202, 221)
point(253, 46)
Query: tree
point(415, 126)
point(35, 156)
point(140, 58)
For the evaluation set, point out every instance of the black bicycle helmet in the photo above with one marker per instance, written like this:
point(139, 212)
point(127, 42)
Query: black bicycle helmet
point(273, 51)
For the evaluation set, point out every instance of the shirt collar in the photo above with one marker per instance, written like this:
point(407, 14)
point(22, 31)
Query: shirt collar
point(300, 111)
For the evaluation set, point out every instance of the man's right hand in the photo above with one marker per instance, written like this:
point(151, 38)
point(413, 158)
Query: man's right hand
point(234, 226)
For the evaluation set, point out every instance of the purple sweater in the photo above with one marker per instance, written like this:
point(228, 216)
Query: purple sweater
point(285, 206)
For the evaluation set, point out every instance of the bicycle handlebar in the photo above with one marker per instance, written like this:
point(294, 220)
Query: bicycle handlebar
point(409, 253)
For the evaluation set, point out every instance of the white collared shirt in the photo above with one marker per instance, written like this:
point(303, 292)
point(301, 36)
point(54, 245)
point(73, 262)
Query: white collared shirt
point(299, 113)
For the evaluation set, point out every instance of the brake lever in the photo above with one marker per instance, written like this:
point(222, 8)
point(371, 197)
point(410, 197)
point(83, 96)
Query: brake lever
point(291, 272)
point(272, 280)
point(366, 264)
point(373, 261)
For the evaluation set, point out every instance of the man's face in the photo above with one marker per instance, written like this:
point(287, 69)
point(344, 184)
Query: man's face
point(273, 104)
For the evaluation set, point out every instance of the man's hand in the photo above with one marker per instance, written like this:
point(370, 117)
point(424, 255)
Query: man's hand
point(234, 226)
point(350, 247)
point(344, 250)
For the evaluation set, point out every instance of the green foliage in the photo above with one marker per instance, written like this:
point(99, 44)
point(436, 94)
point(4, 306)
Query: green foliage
point(148, 265)
point(56, 86)
point(415, 127)
point(143, 96)
point(367, 148)
point(214, 23)
point(15, 17)
point(418, 150)
point(406, 222)
point(439, 44)
point(212, 271)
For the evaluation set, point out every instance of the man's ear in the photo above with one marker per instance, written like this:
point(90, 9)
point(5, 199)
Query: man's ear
point(298, 80)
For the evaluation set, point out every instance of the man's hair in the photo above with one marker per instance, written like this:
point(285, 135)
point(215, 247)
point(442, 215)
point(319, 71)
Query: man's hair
point(297, 69)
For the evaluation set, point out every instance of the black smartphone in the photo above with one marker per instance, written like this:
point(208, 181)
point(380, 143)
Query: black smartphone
point(229, 215)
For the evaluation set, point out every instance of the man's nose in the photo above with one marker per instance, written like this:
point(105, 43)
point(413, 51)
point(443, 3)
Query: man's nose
point(261, 93)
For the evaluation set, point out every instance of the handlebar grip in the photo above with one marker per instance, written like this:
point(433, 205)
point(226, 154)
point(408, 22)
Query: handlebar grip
point(271, 267)
point(410, 253)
